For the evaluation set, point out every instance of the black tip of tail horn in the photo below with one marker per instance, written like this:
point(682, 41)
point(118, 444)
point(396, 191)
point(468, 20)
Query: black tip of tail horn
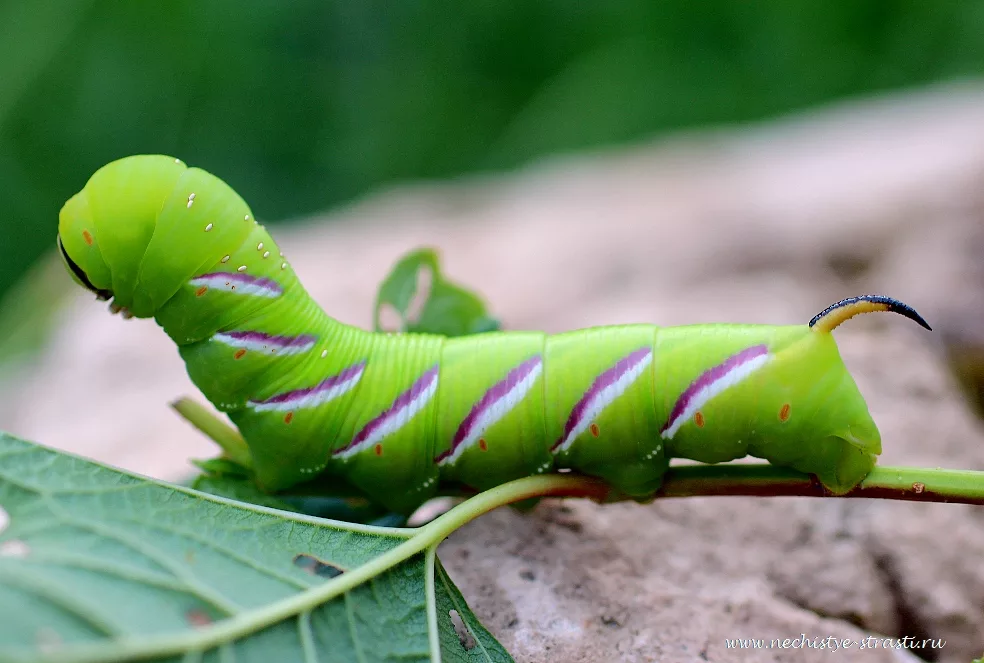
point(835, 314)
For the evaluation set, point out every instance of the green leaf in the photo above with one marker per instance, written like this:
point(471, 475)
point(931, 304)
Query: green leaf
point(221, 468)
point(348, 509)
point(100, 565)
point(448, 309)
point(241, 489)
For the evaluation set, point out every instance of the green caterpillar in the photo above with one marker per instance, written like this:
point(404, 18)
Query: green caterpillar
point(399, 417)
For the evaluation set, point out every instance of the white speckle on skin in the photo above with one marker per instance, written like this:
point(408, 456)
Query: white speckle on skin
point(324, 353)
point(246, 218)
point(225, 259)
point(283, 265)
point(191, 199)
point(266, 254)
point(208, 227)
point(241, 268)
point(4, 519)
point(259, 247)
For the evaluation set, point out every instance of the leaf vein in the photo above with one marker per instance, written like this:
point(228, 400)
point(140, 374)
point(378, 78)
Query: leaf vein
point(202, 591)
point(55, 595)
point(307, 637)
point(353, 632)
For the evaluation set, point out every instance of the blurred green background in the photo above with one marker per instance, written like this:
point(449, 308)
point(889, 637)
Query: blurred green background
point(306, 104)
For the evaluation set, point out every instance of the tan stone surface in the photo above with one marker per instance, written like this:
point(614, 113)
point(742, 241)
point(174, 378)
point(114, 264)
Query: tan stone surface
point(766, 224)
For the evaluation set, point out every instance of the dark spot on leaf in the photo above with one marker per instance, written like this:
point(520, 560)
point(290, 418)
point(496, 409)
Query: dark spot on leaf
point(198, 618)
point(610, 621)
point(526, 574)
point(316, 567)
point(465, 637)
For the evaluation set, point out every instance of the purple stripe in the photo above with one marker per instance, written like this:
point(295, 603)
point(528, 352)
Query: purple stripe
point(324, 385)
point(245, 279)
point(710, 376)
point(606, 379)
point(402, 401)
point(281, 342)
point(498, 391)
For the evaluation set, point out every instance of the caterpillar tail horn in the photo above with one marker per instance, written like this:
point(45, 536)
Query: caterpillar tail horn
point(828, 319)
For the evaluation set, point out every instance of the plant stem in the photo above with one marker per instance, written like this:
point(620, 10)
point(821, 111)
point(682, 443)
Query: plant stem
point(547, 485)
point(894, 483)
point(915, 484)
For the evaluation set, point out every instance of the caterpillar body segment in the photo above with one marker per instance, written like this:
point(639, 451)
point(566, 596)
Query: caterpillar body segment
point(401, 417)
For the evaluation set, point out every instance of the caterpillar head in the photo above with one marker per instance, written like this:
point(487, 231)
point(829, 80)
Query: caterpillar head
point(143, 225)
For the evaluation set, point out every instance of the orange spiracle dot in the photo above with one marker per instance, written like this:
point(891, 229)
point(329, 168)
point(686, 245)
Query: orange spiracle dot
point(239, 353)
point(201, 291)
point(378, 449)
point(784, 413)
point(289, 417)
point(87, 236)
point(699, 419)
point(483, 445)
point(594, 430)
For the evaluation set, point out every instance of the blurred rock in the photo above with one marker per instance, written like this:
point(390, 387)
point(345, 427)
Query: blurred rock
point(767, 224)
point(962, 322)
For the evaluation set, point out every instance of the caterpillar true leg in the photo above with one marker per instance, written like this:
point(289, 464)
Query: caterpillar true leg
point(228, 438)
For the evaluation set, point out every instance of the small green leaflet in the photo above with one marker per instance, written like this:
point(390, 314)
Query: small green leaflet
point(448, 309)
point(101, 565)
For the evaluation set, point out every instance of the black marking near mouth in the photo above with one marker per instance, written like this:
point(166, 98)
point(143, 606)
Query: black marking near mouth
point(102, 295)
